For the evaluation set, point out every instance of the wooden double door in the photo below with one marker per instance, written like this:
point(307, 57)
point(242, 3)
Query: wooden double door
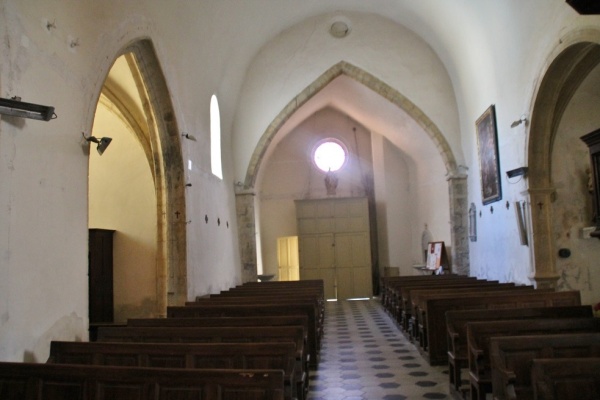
point(334, 245)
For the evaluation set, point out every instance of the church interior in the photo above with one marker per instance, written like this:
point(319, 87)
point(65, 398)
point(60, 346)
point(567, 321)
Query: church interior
point(218, 143)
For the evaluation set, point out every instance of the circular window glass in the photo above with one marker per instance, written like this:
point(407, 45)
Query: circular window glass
point(329, 156)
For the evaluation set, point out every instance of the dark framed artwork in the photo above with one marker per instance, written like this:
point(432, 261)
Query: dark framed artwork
point(489, 161)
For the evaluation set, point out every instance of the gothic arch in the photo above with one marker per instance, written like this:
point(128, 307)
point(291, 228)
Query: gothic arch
point(570, 64)
point(368, 80)
point(457, 185)
point(169, 178)
point(162, 146)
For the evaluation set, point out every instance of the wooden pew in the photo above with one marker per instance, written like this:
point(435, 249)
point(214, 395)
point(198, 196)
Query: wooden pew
point(316, 285)
point(434, 312)
point(386, 284)
point(277, 295)
point(283, 289)
point(396, 288)
point(479, 334)
point(456, 326)
point(278, 356)
point(265, 298)
point(253, 334)
point(403, 299)
point(417, 296)
point(566, 379)
point(27, 381)
point(264, 321)
point(512, 358)
point(422, 299)
point(252, 310)
point(239, 322)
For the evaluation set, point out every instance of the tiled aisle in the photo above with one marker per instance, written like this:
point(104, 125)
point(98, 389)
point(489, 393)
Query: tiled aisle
point(365, 357)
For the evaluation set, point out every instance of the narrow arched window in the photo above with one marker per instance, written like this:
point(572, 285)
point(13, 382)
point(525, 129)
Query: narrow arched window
point(215, 138)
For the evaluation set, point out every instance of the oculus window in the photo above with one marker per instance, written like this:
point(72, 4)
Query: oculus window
point(329, 155)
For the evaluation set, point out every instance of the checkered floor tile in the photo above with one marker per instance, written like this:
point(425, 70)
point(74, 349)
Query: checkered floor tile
point(364, 356)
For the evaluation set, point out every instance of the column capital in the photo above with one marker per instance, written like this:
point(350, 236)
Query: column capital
point(545, 279)
point(540, 191)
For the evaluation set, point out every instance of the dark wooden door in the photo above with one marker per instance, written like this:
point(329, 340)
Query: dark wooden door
point(101, 275)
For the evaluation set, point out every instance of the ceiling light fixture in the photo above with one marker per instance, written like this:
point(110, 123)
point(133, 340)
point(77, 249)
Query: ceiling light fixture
point(339, 29)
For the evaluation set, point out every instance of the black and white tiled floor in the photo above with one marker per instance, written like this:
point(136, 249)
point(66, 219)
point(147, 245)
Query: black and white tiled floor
point(364, 356)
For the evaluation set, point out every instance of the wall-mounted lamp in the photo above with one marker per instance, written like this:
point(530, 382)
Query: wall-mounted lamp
point(102, 142)
point(18, 108)
point(516, 172)
point(188, 136)
point(520, 121)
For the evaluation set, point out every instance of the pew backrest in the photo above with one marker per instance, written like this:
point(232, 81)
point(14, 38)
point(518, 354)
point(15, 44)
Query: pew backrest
point(278, 356)
point(251, 310)
point(435, 312)
point(456, 321)
point(512, 358)
point(479, 335)
point(19, 381)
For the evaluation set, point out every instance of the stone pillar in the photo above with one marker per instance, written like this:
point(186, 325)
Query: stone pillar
point(459, 223)
point(544, 275)
point(245, 209)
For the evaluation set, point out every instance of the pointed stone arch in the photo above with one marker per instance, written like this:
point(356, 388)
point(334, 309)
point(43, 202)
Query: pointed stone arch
point(457, 183)
point(368, 80)
point(162, 146)
point(569, 65)
point(169, 178)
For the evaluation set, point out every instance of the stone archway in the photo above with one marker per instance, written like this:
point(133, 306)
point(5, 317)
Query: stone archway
point(577, 56)
point(457, 183)
point(167, 168)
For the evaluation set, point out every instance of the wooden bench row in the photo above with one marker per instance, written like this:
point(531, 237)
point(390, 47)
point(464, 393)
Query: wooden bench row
point(248, 307)
point(441, 310)
point(513, 359)
point(26, 381)
point(272, 355)
point(480, 335)
point(456, 325)
point(243, 354)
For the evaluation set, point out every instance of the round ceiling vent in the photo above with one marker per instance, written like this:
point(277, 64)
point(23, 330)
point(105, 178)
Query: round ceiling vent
point(339, 29)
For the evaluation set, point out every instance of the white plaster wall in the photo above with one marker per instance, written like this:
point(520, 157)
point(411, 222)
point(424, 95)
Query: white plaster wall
point(517, 45)
point(43, 171)
point(43, 175)
point(400, 204)
point(122, 197)
point(573, 209)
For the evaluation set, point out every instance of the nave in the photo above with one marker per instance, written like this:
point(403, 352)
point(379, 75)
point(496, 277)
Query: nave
point(364, 356)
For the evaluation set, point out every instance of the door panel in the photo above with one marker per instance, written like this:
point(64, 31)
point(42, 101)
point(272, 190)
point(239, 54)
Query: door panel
point(317, 260)
point(335, 245)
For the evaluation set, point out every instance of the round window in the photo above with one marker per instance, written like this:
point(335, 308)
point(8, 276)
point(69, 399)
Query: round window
point(329, 155)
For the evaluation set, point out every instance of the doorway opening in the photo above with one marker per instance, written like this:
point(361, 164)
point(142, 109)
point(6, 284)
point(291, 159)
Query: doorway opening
point(288, 259)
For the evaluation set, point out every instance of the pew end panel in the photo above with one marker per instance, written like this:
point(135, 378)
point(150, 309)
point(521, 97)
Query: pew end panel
point(566, 379)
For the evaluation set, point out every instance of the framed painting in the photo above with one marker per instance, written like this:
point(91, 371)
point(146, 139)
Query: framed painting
point(489, 162)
